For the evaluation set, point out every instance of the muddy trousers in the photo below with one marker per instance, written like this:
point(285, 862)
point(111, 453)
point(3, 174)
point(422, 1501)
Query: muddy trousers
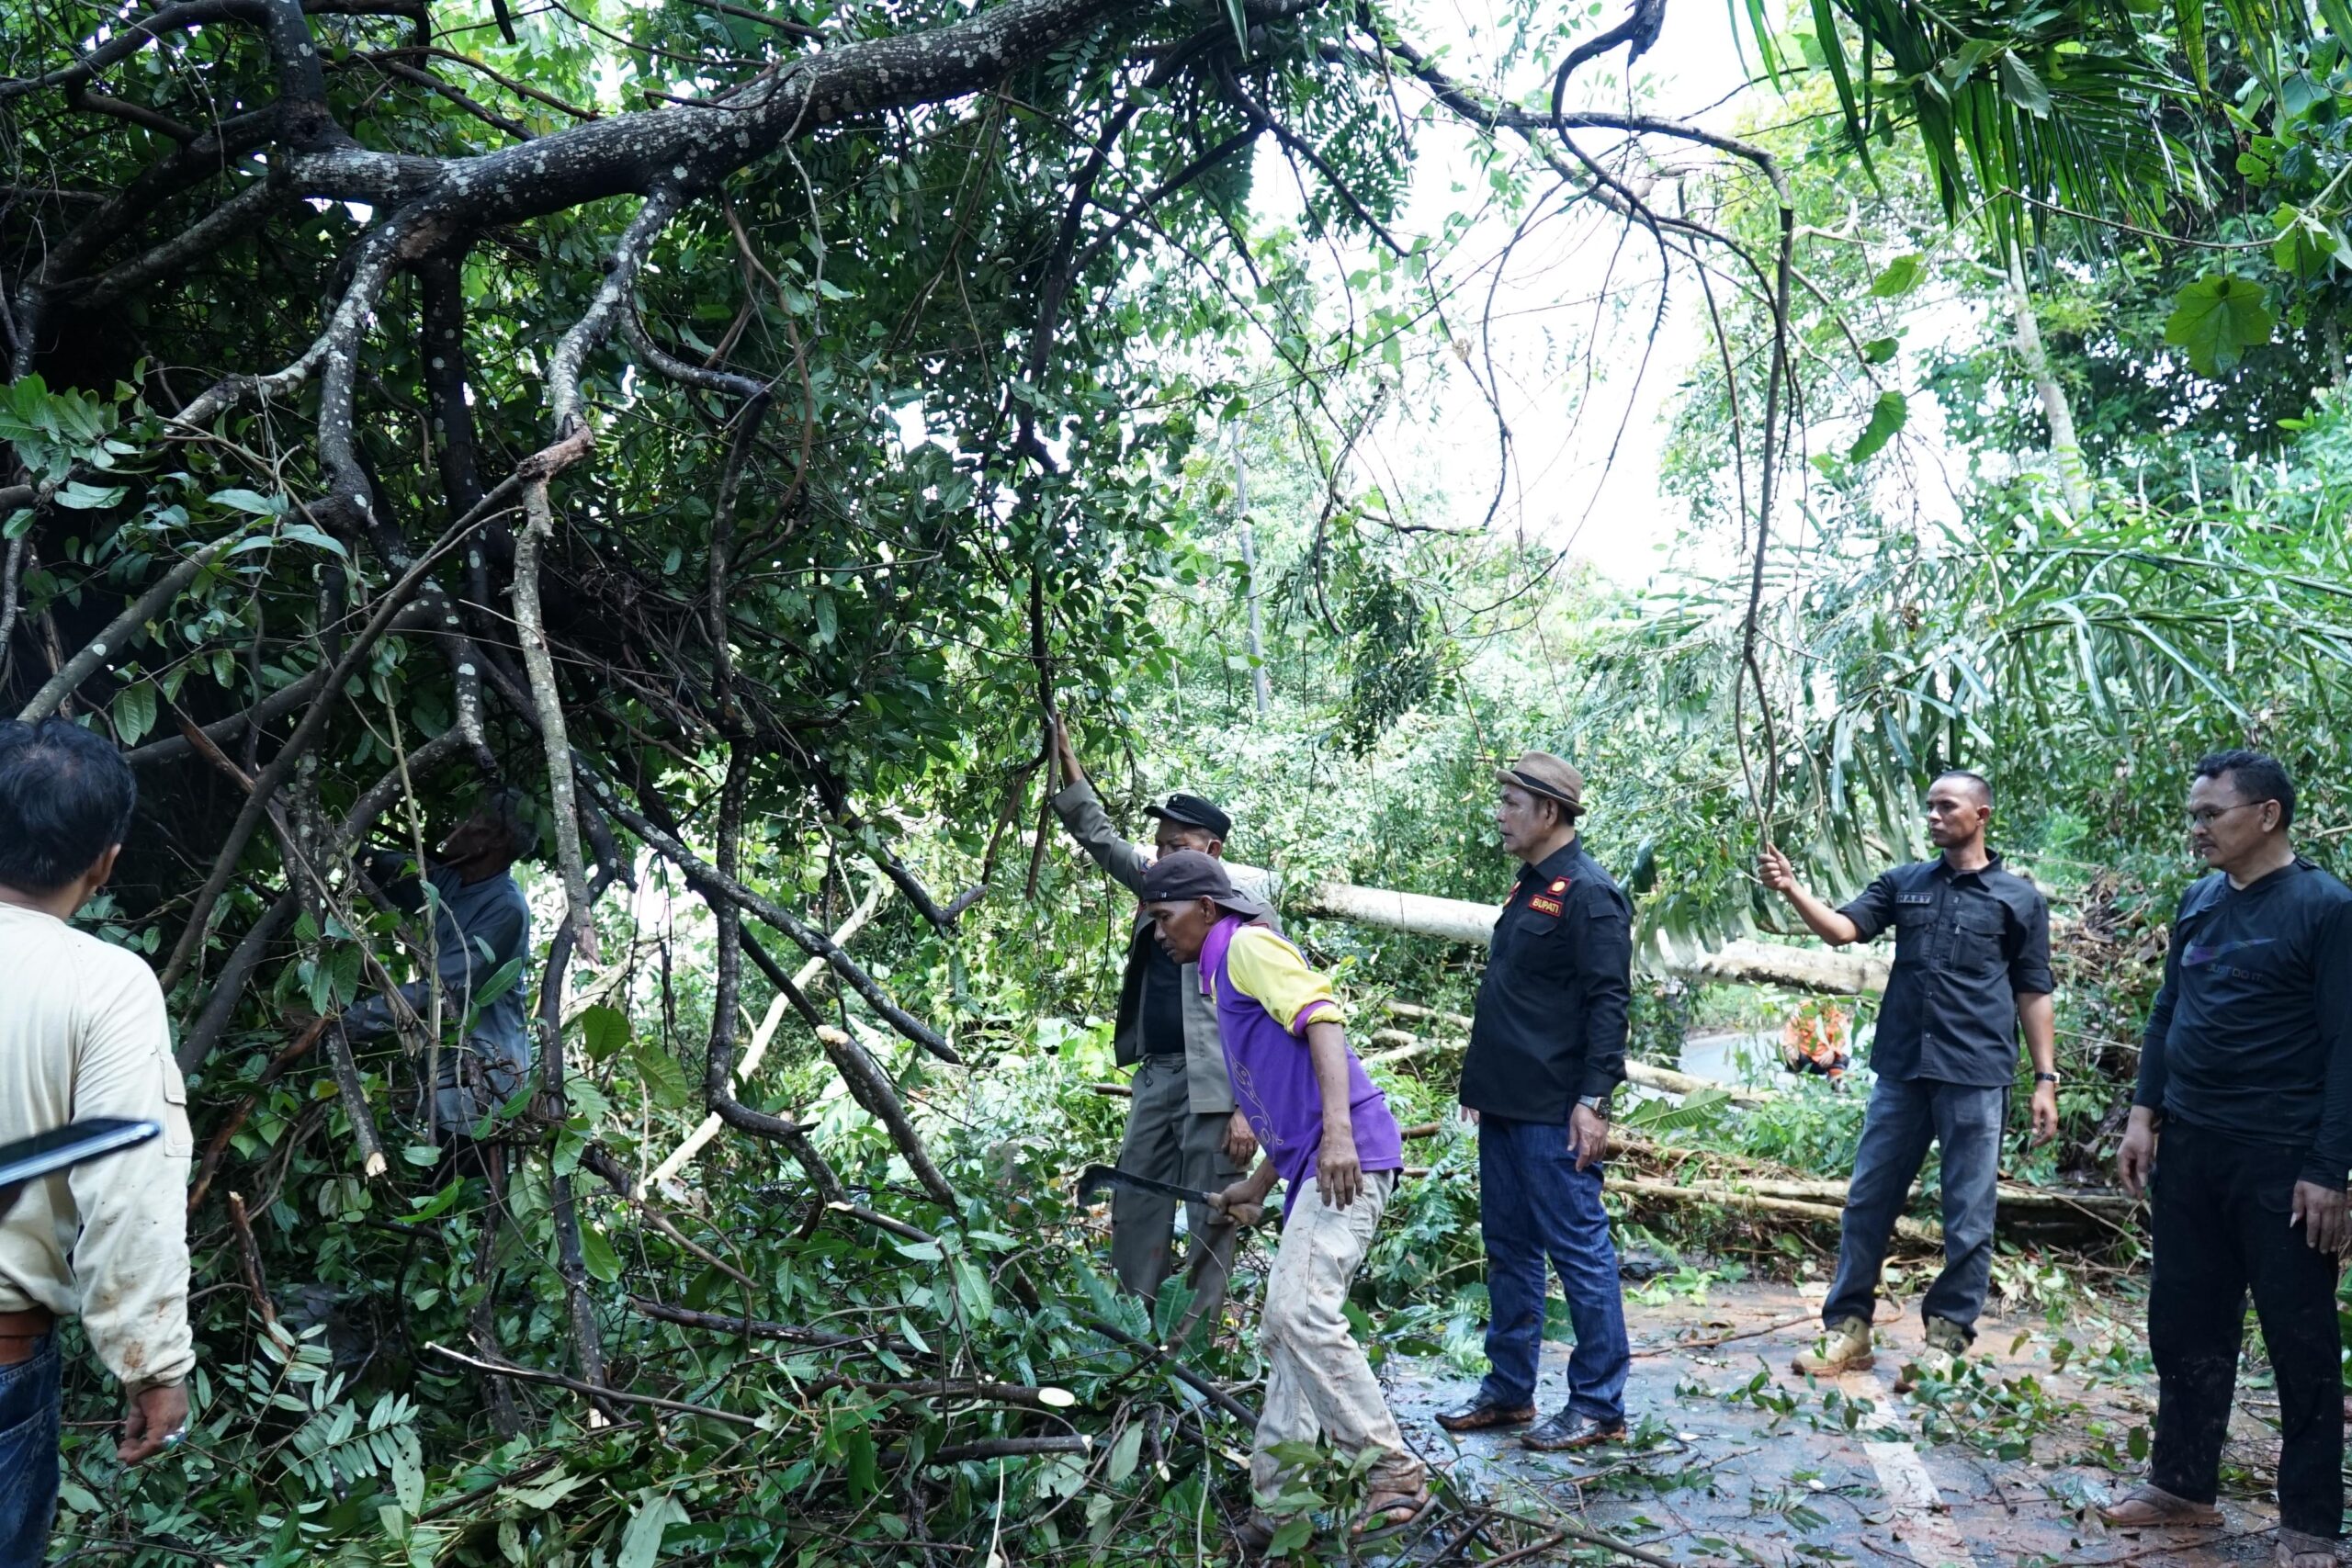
point(1169, 1141)
point(2221, 1228)
point(1318, 1382)
point(1904, 1116)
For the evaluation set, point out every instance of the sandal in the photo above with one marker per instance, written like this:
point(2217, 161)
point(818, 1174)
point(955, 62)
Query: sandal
point(1386, 1511)
point(2296, 1549)
point(2153, 1507)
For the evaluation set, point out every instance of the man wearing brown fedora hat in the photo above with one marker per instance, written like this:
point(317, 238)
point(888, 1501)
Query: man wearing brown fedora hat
point(1548, 1051)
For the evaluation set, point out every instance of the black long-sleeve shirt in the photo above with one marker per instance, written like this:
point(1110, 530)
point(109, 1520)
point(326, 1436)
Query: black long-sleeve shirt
point(1967, 945)
point(1550, 1026)
point(2250, 1035)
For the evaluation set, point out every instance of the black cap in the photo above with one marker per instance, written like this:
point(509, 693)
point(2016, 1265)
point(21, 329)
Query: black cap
point(1186, 874)
point(1194, 812)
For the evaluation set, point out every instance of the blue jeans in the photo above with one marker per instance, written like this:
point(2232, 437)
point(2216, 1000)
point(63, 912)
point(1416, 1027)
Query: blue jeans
point(1905, 1115)
point(1533, 1203)
point(29, 1416)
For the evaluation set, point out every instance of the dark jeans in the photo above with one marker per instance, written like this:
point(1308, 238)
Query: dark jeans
point(2220, 1221)
point(1904, 1117)
point(29, 1416)
point(1533, 1203)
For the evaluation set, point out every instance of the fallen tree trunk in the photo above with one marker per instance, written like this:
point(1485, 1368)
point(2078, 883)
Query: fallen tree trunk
point(1722, 1197)
point(1743, 962)
point(2103, 1205)
point(1404, 1047)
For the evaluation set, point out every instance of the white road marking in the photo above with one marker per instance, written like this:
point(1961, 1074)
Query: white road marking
point(1918, 1521)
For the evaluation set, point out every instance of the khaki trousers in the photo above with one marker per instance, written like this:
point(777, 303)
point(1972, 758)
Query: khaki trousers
point(1318, 1381)
point(1167, 1141)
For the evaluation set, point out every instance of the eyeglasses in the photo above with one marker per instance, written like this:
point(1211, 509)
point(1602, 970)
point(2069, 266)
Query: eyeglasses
point(2209, 815)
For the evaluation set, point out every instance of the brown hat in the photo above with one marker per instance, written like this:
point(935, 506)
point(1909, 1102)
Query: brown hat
point(1539, 772)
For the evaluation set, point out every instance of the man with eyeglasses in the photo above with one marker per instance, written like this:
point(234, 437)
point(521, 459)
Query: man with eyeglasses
point(2246, 1084)
point(1972, 967)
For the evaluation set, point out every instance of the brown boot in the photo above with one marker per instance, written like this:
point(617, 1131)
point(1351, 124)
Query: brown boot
point(1947, 1349)
point(1844, 1346)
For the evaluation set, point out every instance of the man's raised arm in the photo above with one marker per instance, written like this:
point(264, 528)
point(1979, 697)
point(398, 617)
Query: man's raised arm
point(1082, 812)
point(1832, 926)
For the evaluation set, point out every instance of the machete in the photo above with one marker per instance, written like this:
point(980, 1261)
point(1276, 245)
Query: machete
point(1097, 1177)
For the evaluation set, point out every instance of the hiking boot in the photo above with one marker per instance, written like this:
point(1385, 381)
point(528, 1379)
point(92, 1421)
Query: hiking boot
point(1947, 1349)
point(1844, 1346)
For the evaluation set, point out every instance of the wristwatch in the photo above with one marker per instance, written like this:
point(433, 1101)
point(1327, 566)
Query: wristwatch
point(1596, 1103)
point(2045, 1078)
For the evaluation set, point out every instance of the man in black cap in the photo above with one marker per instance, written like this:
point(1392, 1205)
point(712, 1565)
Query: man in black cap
point(1548, 1051)
point(1181, 1124)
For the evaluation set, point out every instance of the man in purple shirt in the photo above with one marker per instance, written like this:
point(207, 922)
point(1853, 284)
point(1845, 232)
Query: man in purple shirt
point(1328, 1137)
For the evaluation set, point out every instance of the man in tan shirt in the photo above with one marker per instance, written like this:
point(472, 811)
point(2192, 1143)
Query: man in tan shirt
point(82, 1034)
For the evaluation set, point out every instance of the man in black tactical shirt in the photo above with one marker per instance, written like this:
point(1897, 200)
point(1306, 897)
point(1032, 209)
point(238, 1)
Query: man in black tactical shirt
point(2245, 1078)
point(1972, 964)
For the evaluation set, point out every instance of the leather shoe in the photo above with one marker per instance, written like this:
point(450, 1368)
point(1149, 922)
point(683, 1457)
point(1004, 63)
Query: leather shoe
point(1482, 1413)
point(1570, 1430)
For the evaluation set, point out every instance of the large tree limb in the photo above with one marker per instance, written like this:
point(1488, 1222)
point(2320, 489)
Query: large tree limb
point(139, 31)
point(306, 733)
point(700, 144)
point(762, 1035)
point(1458, 919)
point(872, 1087)
point(708, 880)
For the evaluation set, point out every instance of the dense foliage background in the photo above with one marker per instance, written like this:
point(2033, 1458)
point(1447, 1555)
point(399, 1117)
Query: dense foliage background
point(736, 425)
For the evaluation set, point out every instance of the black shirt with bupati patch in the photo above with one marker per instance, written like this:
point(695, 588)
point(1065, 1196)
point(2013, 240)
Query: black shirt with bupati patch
point(1550, 1026)
point(1967, 945)
point(2250, 1035)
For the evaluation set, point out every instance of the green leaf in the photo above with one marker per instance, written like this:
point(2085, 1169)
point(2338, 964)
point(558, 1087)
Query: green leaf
point(1886, 418)
point(2021, 87)
point(304, 534)
point(546, 1494)
point(1124, 1453)
point(641, 1541)
point(2297, 92)
point(2306, 246)
point(134, 713)
point(75, 496)
point(408, 1474)
point(972, 1286)
point(1295, 1532)
point(2216, 319)
point(245, 500)
point(1235, 14)
point(1879, 350)
point(603, 1262)
point(1901, 276)
point(664, 1079)
point(2188, 27)
point(603, 1030)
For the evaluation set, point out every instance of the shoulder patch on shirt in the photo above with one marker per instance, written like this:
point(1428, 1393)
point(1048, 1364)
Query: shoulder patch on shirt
point(1559, 884)
point(1544, 906)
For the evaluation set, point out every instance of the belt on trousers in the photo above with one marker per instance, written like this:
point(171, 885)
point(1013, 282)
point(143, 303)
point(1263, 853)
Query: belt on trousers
point(21, 1333)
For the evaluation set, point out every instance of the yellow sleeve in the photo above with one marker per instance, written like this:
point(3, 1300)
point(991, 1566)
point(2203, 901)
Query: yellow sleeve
point(1268, 970)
